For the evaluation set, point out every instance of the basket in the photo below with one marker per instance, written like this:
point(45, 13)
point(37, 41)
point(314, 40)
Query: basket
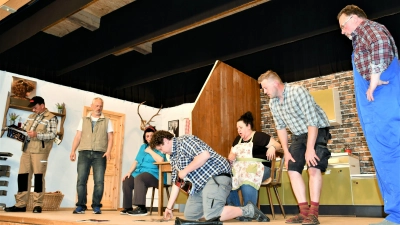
point(51, 201)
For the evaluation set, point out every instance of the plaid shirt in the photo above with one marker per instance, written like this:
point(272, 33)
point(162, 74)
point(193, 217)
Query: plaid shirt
point(298, 111)
point(374, 48)
point(51, 127)
point(184, 149)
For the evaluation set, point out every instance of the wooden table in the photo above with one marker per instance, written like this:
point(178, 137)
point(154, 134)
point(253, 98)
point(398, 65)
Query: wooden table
point(162, 168)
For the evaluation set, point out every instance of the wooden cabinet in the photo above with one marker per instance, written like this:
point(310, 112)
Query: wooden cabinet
point(337, 183)
point(365, 190)
point(344, 160)
point(336, 186)
point(62, 115)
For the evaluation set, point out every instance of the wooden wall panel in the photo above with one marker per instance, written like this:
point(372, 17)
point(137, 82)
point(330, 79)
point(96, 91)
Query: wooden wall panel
point(226, 95)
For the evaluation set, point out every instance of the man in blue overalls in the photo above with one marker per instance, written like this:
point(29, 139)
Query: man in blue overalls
point(376, 72)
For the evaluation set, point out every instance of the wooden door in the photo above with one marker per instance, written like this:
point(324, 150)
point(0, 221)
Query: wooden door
point(112, 178)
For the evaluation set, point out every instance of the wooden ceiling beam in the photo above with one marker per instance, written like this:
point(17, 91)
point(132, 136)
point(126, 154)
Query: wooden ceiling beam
point(86, 20)
point(145, 48)
point(62, 28)
point(3, 13)
point(2, 2)
point(10, 6)
point(88, 17)
point(172, 30)
point(47, 16)
point(194, 25)
point(16, 4)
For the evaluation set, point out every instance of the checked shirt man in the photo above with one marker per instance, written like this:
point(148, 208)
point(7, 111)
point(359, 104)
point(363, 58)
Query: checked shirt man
point(210, 174)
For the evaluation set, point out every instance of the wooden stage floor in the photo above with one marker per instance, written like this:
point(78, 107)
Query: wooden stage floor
point(66, 217)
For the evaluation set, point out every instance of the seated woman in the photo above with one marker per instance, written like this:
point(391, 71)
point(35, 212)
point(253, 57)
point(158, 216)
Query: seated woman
point(142, 175)
point(249, 157)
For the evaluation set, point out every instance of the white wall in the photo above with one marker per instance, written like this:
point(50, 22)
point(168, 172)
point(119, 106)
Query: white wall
point(61, 172)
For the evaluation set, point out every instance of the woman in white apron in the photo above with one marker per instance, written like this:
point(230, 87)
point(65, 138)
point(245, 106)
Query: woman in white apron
point(250, 155)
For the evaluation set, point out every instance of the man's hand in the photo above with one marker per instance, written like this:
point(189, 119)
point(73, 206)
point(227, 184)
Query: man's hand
point(32, 133)
point(311, 157)
point(288, 157)
point(374, 82)
point(182, 174)
point(168, 214)
point(72, 156)
point(107, 155)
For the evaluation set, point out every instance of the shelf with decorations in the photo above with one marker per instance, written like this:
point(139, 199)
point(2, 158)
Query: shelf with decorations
point(62, 115)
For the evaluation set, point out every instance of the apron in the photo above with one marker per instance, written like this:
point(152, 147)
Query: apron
point(246, 169)
point(380, 121)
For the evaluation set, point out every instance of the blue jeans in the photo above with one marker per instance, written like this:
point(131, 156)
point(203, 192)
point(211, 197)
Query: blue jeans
point(248, 192)
point(86, 160)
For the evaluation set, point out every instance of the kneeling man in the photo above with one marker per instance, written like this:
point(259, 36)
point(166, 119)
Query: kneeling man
point(210, 174)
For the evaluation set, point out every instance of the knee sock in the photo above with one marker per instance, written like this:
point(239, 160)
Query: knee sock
point(23, 182)
point(38, 183)
point(314, 209)
point(304, 209)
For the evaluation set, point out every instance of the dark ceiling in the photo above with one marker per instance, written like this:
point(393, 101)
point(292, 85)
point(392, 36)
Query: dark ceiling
point(297, 39)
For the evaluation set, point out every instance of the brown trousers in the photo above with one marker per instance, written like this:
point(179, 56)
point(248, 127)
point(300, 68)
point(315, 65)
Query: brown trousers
point(31, 164)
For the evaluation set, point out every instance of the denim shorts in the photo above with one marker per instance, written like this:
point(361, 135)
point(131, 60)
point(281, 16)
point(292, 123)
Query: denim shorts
point(298, 151)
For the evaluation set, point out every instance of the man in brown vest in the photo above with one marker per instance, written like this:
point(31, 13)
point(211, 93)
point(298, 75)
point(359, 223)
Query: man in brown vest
point(94, 140)
point(41, 128)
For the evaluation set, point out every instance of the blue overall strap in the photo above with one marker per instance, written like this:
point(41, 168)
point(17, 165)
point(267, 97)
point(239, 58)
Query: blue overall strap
point(380, 121)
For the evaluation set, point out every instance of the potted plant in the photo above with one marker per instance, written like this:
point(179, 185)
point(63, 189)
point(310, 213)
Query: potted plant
point(13, 117)
point(60, 107)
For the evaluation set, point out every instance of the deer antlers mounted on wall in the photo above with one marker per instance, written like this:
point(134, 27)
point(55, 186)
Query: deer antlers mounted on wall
point(144, 123)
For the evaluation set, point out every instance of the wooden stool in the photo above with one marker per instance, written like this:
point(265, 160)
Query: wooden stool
point(152, 196)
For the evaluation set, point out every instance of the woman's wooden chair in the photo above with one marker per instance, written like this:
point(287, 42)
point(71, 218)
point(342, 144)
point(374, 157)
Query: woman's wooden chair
point(274, 181)
point(166, 186)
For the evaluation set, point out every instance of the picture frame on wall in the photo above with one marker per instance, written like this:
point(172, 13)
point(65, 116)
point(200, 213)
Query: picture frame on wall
point(173, 127)
point(22, 90)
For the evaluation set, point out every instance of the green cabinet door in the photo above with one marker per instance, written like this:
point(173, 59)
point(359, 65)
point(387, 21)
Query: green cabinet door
point(366, 191)
point(336, 187)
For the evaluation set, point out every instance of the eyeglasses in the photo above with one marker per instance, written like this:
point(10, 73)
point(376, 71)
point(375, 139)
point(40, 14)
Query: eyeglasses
point(344, 24)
